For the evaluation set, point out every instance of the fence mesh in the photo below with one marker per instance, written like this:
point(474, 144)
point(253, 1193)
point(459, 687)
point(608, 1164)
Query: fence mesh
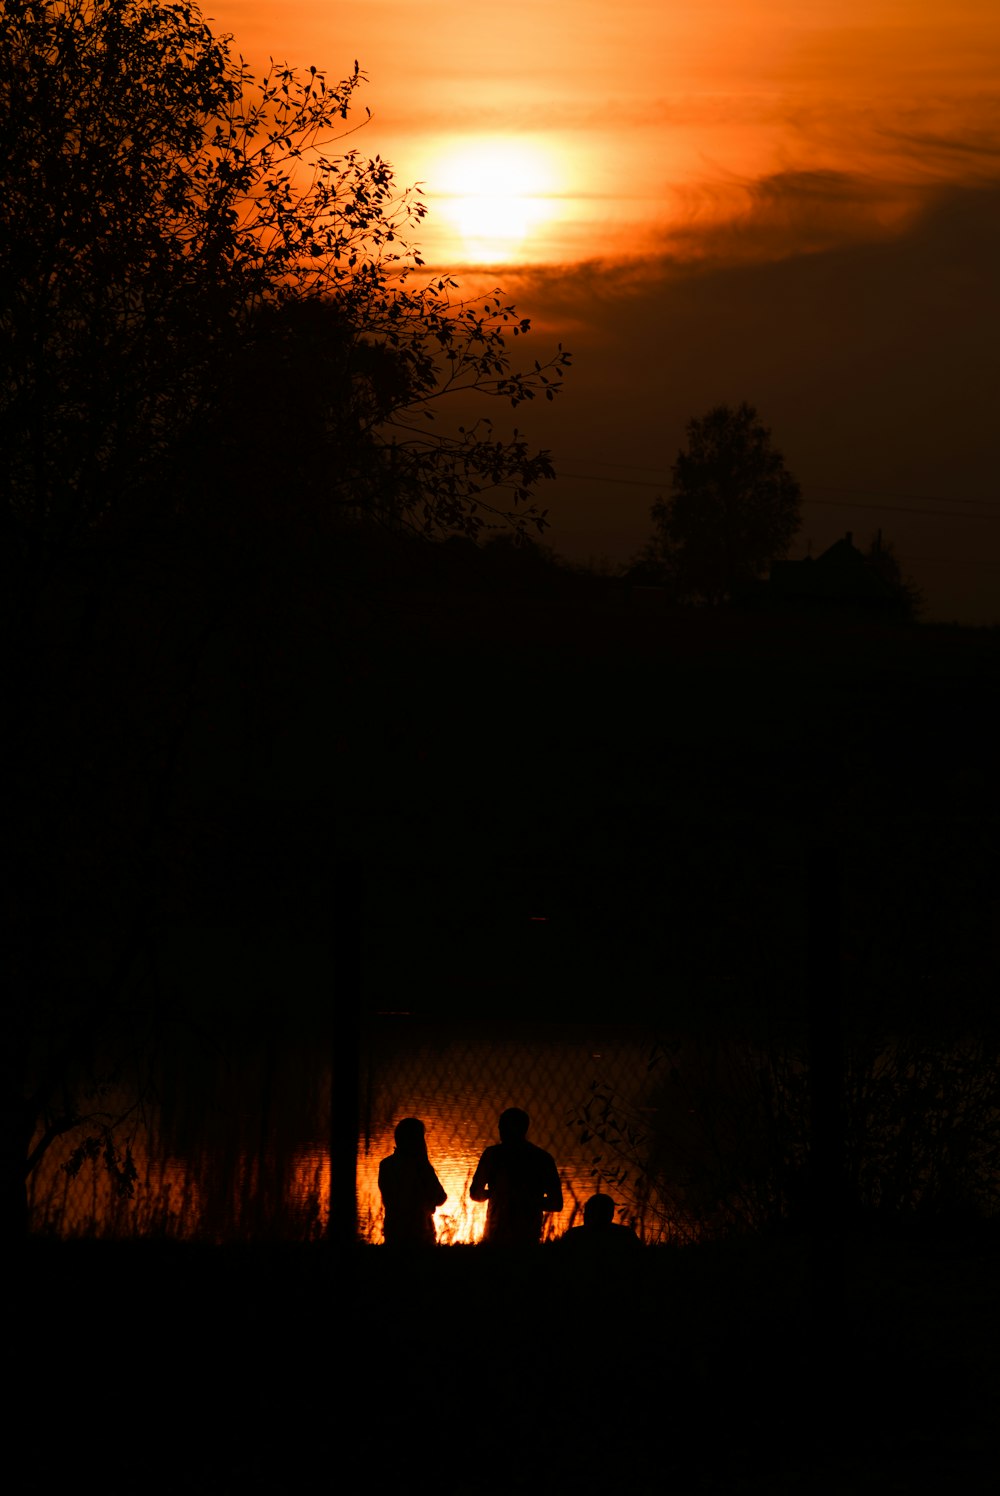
point(459, 1080)
point(243, 1172)
point(691, 1139)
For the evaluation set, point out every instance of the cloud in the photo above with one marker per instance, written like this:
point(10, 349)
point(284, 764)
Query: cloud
point(786, 213)
point(974, 154)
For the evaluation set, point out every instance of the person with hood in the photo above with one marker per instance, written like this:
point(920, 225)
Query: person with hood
point(411, 1191)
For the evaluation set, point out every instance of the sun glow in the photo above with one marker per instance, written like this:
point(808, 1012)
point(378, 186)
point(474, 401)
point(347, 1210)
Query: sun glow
point(496, 195)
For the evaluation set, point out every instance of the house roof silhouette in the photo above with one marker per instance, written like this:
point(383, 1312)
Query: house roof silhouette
point(842, 576)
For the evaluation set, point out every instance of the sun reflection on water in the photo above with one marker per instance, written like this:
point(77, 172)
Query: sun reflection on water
point(458, 1221)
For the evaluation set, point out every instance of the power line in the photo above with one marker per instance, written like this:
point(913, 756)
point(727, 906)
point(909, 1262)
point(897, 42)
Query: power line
point(604, 478)
point(917, 498)
point(901, 509)
point(663, 479)
point(981, 563)
point(632, 467)
point(886, 507)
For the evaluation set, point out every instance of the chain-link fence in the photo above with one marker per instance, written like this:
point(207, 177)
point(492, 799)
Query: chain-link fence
point(691, 1138)
point(250, 1165)
point(458, 1079)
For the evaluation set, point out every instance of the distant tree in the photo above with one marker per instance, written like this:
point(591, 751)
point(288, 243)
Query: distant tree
point(733, 507)
point(188, 263)
point(523, 564)
point(651, 566)
point(881, 556)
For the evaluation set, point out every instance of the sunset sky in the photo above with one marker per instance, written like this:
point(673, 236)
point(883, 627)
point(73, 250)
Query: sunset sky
point(796, 205)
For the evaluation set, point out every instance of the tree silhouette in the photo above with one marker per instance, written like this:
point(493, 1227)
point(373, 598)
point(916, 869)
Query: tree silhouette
point(185, 248)
point(881, 556)
point(210, 321)
point(733, 507)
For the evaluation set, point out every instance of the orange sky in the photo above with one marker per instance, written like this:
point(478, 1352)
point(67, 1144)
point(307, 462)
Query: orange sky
point(645, 115)
point(796, 204)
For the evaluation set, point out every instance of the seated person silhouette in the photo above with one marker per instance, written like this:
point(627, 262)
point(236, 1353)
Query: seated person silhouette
point(599, 1233)
point(411, 1191)
point(519, 1182)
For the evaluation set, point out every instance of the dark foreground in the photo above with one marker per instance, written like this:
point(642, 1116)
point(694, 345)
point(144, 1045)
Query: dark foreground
point(147, 1368)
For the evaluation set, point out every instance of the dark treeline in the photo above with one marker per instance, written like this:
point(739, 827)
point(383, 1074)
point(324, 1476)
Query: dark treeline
point(652, 784)
point(218, 376)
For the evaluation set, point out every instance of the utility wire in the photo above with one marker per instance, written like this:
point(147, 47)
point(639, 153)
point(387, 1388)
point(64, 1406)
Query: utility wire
point(980, 563)
point(884, 508)
point(901, 509)
point(663, 479)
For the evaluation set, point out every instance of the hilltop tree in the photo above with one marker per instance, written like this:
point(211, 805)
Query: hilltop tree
point(881, 556)
point(733, 507)
point(189, 263)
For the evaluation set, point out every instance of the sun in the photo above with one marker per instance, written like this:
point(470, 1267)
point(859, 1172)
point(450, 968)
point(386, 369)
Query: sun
point(495, 195)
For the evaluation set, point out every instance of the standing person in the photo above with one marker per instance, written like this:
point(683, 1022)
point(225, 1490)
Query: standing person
point(519, 1182)
point(411, 1191)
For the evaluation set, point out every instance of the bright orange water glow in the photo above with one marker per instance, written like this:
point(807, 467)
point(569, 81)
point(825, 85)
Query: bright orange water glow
point(458, 1220)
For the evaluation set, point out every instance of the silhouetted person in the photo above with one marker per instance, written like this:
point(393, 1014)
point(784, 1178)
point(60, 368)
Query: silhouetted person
point(599, 1233)
point(519, 1182)
point(411, 1191)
